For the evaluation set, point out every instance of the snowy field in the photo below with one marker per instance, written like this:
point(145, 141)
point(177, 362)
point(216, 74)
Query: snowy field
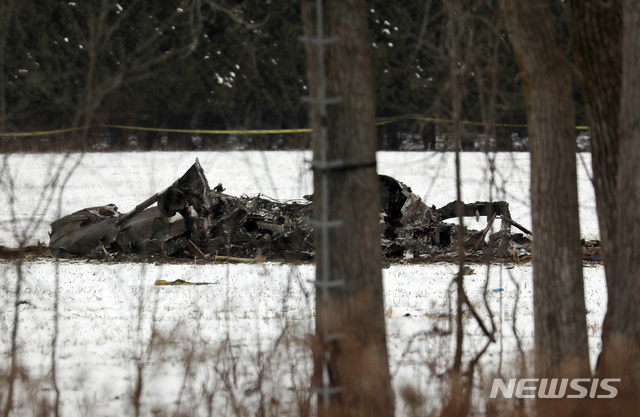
point(238, 346)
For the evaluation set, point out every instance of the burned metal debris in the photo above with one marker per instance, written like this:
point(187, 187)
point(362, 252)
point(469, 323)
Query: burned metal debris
point(191, 219)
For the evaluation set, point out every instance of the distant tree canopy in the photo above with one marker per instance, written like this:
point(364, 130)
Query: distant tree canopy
point(221, 64)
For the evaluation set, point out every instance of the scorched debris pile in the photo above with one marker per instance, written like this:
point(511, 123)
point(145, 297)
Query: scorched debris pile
point(191, 219)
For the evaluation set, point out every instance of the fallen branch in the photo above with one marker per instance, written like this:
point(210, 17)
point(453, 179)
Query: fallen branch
point(180, 282)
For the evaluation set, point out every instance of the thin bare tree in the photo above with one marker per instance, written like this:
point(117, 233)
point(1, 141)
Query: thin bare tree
point(351, 350)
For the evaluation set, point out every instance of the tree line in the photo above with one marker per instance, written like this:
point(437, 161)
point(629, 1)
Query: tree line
point(204, 64)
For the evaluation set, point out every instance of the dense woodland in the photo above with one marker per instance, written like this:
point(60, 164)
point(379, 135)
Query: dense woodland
point(200, 64)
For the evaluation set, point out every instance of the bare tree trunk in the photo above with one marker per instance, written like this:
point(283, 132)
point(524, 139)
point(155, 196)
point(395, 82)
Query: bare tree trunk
point(458, 403)
point(351, 350)
point(561, 348)
point(597, 36)
point(620, 357)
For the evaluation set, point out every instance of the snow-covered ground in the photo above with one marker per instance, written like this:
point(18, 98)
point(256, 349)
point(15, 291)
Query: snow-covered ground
point(240, 343)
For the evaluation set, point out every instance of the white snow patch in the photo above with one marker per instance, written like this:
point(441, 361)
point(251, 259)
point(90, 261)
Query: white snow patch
point(108, 312)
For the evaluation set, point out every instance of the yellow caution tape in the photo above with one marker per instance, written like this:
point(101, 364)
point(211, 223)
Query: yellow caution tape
point(155, 129)
point(464, 122)
point(210, 132)
point(248, 132)
point(49, 132)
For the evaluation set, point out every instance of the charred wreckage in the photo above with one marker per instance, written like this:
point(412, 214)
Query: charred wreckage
point(192, 220)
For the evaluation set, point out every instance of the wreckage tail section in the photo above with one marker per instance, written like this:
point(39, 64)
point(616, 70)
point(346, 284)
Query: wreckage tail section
point(142, 230)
